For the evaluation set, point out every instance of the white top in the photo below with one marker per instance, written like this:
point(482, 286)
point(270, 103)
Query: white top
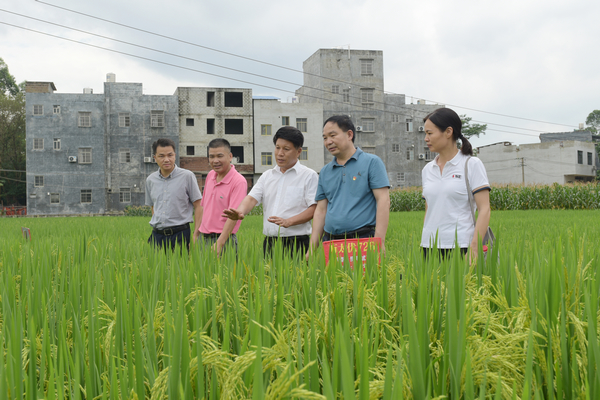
point(285, 195)
point(448, 212)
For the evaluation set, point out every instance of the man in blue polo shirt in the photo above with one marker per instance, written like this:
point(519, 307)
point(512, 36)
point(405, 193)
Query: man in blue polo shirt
point(353, 198)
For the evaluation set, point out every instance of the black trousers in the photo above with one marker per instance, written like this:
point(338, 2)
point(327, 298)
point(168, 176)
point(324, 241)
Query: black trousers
point(291, 244)
point(176, 240)
point(362, 233)
point(442, 253)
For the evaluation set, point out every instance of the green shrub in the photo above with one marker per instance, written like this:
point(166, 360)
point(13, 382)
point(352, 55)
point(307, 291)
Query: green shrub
point(138, 211)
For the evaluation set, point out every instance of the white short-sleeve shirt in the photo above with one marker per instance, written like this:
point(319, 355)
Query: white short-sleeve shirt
point(285, 195)
point(448, 213)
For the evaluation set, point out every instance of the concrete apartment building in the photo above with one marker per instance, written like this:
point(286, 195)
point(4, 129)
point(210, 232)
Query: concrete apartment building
point(270, 114)
point(209, 113)
point(91, 153)
point(565, 161)
point(351, 82)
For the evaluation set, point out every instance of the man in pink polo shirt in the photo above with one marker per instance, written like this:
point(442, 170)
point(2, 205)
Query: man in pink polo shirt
point(224, 188)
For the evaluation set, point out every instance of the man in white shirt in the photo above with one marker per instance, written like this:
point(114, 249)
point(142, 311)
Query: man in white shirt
point(288, 195)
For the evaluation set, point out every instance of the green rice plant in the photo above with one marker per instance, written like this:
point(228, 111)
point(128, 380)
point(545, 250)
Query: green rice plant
point(89, 310)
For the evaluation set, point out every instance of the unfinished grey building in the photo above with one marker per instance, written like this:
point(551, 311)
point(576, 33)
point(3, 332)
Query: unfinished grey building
point(351, 82)
point(209, 113)
point(91, 153)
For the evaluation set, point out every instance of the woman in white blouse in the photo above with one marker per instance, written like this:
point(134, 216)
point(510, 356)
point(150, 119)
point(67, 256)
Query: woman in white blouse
point(448, 217)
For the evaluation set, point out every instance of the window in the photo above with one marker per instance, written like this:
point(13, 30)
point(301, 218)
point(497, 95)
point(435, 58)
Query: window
point(366, 96)
point(84, 119)
point(189, 122)
point(409, 125)
point(54, 198)
point(366, 67)
point(56, 144)
point(285, 121)
point(395, 148)
point(157, 118)
point(124, 120)
point(210, 99)
point(190, 150)
point(302, 124)
point(38, 144)
point(238, 152)
point(265, 130)
point(124, 156)
point(124, 195)
point(395, 118)
point(346, 95)
point(86, 196)
point(429, 155)
point(85, 155)
point(335, 89)
point(579, 157)
point(266, 158)
point(38, 181)
point(368, 124)
point(304, 154)
point(38, 109)
point(369, 149)
point(590, 158)
point(210, 126)
point(410, 154)
point(234, 126)
point(234, 99)
point(400, 177)
point(56, 109)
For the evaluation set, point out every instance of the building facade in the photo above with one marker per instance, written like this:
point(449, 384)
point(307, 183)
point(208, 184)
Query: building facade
point(270, 114)
point(91, 153)
point(209, 113)
point(539, 163)
point(351, 82)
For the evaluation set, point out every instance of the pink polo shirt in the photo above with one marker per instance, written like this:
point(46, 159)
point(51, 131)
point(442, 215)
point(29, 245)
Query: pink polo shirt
point(219, 196)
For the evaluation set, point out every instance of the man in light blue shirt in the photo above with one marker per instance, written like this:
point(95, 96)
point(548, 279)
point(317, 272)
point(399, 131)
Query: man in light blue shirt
point(353, 198)
point(174, 196)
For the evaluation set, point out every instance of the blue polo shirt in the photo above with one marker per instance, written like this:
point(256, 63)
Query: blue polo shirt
point(349, 191)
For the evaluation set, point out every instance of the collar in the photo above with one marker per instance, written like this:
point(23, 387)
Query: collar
point(455, 160)
point(228, 177)
point(172, 174)
point(295, 167)
point(354, 156)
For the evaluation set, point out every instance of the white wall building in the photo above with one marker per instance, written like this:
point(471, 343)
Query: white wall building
point(539, 163)
point(270, 114)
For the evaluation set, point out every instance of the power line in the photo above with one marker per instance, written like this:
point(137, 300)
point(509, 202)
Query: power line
point(185, 68)
point(209, 73)
point(276, 65)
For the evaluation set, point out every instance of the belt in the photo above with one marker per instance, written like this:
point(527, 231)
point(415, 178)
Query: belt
point(172, 229)
point(212, 235)
point(352, 234)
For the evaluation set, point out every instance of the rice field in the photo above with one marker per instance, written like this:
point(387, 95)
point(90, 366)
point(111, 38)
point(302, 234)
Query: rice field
point(89, 311)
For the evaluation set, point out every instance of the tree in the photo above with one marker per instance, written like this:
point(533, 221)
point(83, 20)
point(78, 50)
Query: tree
point(469, 130)
point(12, 139)
point(593, 121)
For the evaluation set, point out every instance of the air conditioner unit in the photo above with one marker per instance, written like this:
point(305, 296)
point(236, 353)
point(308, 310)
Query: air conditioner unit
point(72, 159)
point(359, 129)
point(147, 159)
point(109, 190)
point(421, 129)
point(421, 156)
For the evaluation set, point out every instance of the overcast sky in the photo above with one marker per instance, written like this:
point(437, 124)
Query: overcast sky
point(533, 59)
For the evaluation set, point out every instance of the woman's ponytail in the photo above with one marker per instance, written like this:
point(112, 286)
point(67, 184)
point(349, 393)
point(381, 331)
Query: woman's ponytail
point(465, 147)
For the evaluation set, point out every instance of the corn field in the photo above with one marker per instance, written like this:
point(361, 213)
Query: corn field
point(584, 196)
point(89, 311)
